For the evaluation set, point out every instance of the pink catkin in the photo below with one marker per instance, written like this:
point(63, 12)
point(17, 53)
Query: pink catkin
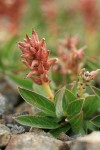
point(13, 10)
point(69, 55)
point(35, 57)
point(90, 13)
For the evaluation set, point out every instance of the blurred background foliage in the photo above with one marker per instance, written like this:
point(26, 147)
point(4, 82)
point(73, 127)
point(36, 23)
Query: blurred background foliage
point(52, 19)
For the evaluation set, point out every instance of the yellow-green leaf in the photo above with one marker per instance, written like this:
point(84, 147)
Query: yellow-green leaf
point(59, 102)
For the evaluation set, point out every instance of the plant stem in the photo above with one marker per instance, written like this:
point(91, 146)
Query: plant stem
point(48, 90)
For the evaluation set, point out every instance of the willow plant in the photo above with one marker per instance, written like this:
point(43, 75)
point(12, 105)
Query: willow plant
point(74, 110)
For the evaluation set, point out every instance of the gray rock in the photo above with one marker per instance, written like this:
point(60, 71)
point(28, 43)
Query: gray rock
point(39, 132)
point(10, 92)
point(77, 136)
point(3, 104)
point(64, 137)
point(17, 129)
point(5, 135)
point(33, 141)
point(24, 107)
point(89, 142)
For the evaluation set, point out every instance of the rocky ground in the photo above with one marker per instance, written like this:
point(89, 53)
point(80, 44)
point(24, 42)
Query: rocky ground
point(14, 136)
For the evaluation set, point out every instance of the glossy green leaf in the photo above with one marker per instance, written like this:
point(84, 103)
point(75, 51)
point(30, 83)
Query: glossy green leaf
point(96, 121)
point(74, 108)
point(58, 131)
point(70, 96)
point(96, 91)
point(59, 101)
point(21, 82)
point(37, 121)
point(76, 122)
point(40, 102)
point(91, 104)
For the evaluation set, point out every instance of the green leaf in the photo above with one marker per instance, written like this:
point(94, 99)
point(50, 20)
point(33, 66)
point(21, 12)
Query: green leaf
point(9, 46)
point(37, 121)
point(96, 91)
point(74, 88)
point(90, 126)
point(39, 90)
point(58, 131)
point(40, 102)
point(70, 96)
point(58, 102)
point(96, 121)
point(20, 81)
point(55, 119)
point(57, 77)
point(93, 64)
point(76, 122)
point(91, 104)
point(8, 51)
point(40, 114)
point(74, 108)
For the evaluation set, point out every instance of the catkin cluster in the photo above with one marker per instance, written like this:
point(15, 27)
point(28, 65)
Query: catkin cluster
point(85, 78)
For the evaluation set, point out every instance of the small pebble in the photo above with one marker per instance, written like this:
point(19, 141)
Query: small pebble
point(5, 135)
point(76, 136)
point(3, 105)
point(17, 129)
